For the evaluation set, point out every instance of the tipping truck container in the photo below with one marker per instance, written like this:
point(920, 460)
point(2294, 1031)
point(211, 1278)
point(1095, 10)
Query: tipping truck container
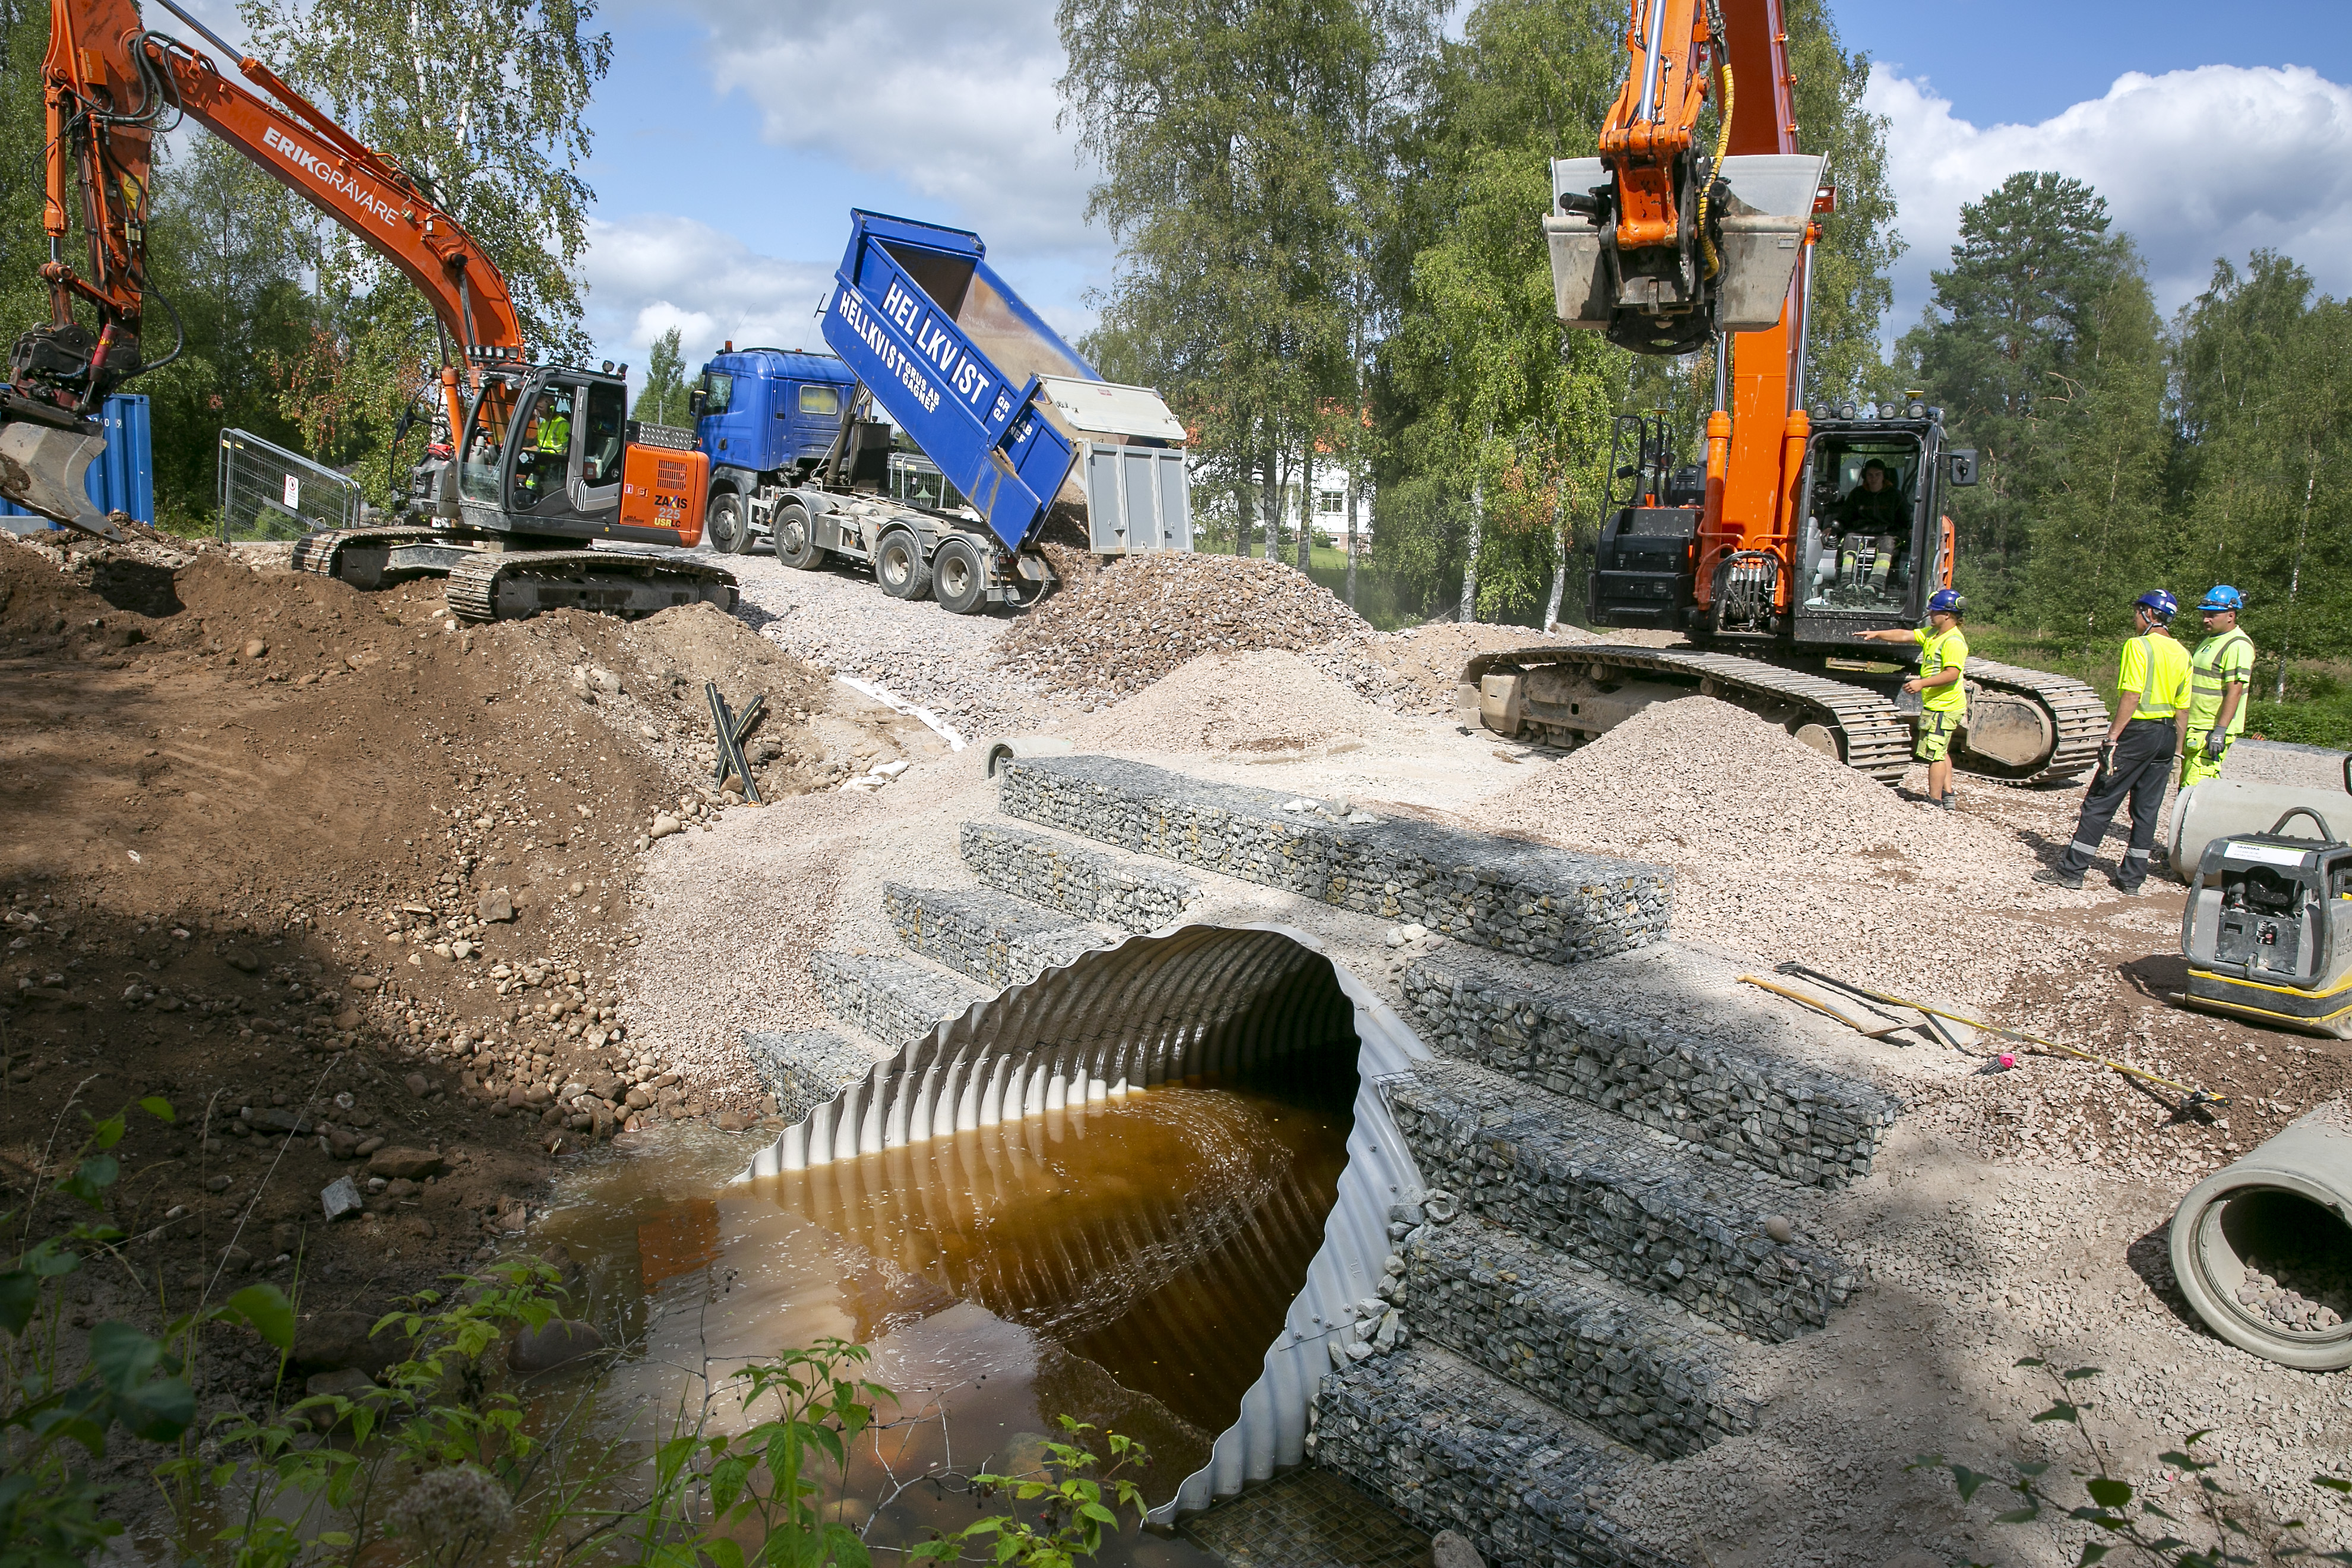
point(930, 339)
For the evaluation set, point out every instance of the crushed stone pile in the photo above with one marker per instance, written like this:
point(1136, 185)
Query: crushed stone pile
point(1127, 625)
point(1416, 670)
point(1271, 703)
point(1786, 854)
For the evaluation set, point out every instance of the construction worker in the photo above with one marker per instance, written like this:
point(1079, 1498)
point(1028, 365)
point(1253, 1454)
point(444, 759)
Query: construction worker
point(2219, 674)
point(2136, 761)
point(1943, 700)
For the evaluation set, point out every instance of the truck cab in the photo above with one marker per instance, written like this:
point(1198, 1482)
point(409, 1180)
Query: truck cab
point(764, 416)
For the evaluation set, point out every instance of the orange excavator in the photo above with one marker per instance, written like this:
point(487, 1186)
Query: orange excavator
point(541, 460)
point(1801, 527)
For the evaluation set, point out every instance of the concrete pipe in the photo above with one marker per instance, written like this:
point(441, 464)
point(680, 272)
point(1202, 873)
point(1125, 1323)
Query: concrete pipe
point(2263, 1248)
point(2218, 808)
point(1000, 752)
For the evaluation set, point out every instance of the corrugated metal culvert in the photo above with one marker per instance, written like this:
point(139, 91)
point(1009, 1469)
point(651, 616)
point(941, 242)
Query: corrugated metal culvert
point(1201, 1001)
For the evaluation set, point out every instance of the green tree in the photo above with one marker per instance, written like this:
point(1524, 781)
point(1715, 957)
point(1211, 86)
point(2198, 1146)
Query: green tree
point(2264, 405)
point(1237, 181)
point(1859, 242)
point(663, 401)
point(23, 39)
point(2009, 346)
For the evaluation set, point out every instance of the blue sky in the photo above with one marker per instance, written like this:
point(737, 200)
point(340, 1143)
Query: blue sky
point(732, 137)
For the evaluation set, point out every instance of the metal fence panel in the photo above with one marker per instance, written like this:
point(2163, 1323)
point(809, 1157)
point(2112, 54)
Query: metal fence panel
point(268, 492)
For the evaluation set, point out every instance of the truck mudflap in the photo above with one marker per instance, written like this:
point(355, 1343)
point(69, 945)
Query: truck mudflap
point(2028, 726)
point(1576, 693)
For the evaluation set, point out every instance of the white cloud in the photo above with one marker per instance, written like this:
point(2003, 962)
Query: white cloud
point(653, 271)
point(2194, 164)
point(956, 101)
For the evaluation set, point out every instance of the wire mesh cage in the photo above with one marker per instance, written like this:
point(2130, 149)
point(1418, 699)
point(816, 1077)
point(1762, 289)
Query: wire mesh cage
point(268, 492)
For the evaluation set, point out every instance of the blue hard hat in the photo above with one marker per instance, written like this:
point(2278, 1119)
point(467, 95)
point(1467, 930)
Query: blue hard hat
point(1944, 602)
point(2160, 604)
point(2222, 596)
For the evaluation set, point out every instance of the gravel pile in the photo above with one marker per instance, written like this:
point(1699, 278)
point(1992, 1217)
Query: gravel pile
point(1416, 670)
point(1135, 621)
point(838, 620)
point(1271, 703)
point(2306, 1293)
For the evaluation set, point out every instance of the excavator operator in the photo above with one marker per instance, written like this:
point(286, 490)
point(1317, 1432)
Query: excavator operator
point(547, 447)
point(1874, 506)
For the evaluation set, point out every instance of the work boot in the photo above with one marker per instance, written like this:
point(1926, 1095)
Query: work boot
point(2129, 889)
point(2059, 877)
point(1951, 801)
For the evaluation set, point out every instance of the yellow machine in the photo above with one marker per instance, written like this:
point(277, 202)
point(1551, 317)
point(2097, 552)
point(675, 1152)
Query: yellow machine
point(2268, 928)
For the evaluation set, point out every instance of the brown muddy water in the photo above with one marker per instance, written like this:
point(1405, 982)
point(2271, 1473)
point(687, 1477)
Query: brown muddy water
point(1126, 1263)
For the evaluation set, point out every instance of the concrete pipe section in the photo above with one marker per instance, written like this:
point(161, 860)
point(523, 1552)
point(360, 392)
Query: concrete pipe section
point(1217, 1004)
point(2263, 1248)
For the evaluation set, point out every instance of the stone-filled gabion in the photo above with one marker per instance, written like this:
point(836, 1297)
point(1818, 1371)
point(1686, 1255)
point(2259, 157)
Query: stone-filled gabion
point(1524, 899)
point(1598, 1351)
point(998, 940)
point(1071, 878)
point(1452, 1448)
point(890, 998)
point(1794, 1121)
point(804, 1068)
point(1621, 1198)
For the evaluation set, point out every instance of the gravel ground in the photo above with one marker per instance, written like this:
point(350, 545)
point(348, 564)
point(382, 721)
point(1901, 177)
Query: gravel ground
point(2013, 1213)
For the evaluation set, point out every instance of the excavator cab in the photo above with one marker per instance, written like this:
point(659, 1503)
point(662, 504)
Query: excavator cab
point(1873, 544)
point(551, 452)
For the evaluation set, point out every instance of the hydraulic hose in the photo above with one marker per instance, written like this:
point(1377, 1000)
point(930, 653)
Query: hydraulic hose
point(1722, 145)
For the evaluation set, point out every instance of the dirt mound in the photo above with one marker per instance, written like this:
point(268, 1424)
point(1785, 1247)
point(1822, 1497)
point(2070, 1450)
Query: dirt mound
point(1127, 625)
point(272, 839)
point(1273, 703)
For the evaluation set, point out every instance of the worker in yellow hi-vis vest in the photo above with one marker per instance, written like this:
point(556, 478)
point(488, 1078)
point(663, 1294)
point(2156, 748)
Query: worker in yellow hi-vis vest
point(2136, 761)
point(2220, 673)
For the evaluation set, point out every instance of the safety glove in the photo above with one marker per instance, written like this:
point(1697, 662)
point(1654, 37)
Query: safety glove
point(2106, 758)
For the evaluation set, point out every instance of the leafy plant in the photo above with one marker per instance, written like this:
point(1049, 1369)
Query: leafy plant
point(1071, 1512)
point(2223, 1529)
point(53, 1428)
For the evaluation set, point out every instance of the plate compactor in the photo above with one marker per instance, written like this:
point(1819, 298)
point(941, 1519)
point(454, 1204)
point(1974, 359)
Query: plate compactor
point(2268, 928)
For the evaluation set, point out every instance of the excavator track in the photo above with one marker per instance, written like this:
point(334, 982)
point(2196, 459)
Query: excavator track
point(1870, 735)
point(325, 552)
point(514, 584)
point(2076, 719)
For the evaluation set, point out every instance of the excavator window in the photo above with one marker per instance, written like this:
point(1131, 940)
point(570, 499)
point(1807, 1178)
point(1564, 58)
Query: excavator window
point(600, 453)
point(485, 447)
point(544, 454)
point(1860, 529)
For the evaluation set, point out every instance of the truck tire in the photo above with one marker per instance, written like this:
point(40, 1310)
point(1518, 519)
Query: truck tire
point(797, 544)
point(727, 525)
point(959, 576)
point(900, 567)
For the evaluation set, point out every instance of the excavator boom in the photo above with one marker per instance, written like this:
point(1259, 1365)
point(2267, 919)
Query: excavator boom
point(109, 84)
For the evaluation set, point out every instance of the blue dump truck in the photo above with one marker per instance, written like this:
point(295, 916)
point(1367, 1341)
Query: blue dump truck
point(1023, 433)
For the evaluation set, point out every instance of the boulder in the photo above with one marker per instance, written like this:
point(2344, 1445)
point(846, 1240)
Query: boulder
point(1451, 1549)
point(242, 958)
point(340, 1197)
point(329, 1342)
point(494, 905)
point(415, 1164)
point(552, 1345)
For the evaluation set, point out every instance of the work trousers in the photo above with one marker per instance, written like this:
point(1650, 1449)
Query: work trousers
point(2194, 768)
point(2143, 767)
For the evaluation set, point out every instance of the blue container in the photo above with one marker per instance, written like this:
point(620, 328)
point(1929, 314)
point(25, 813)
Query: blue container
point(122, 479)
point(954, 356)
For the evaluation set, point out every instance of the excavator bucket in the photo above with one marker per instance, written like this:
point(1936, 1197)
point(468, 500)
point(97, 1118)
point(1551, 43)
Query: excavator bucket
point(1767, 200)
point(42, 468)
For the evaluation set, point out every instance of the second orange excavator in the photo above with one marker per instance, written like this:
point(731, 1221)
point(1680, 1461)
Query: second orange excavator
point(1801, 527)
point(541, 460)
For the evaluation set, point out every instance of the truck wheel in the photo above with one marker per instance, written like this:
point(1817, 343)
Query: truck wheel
point(959, 576)
point(900, 567)
point(726, 525)
point(796, 545)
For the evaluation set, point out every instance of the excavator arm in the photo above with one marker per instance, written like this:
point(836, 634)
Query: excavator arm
point(109, 84)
